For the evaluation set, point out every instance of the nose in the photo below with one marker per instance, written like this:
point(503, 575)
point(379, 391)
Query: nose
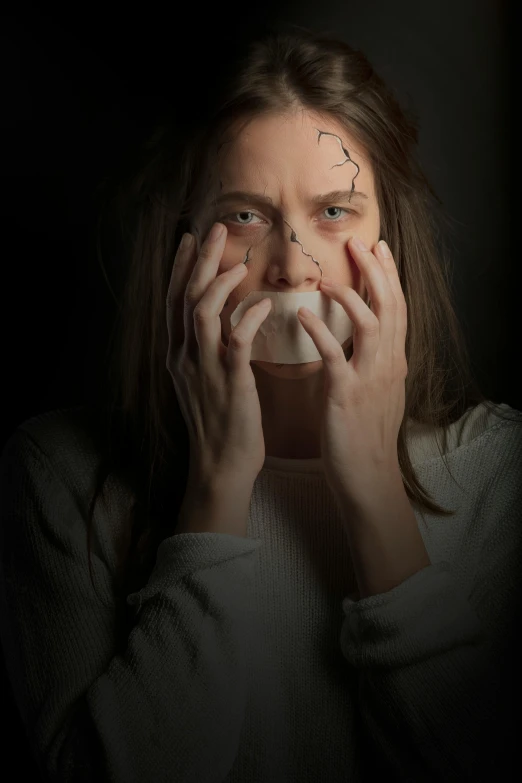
point(292, 265)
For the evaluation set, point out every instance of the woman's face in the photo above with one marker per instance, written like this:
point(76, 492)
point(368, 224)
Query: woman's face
point(274, 180)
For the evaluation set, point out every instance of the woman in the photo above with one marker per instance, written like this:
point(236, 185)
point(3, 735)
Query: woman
point(303, 529)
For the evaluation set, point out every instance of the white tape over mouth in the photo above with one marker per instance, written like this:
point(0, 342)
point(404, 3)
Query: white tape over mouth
point(281, 338)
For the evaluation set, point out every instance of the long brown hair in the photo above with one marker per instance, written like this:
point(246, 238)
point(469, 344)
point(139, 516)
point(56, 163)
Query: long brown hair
point(156, 204)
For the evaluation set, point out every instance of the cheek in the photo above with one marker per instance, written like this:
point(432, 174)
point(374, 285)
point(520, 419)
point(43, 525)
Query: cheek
point(341, 267)
point(234, 252)
point(229, 258)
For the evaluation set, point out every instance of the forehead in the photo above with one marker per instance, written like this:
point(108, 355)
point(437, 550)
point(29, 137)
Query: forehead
point(299, 144)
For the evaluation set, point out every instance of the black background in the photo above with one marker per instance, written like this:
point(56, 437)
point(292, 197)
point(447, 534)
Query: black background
point(81, 87)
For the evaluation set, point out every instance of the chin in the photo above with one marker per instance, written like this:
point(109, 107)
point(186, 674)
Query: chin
point(291, 371)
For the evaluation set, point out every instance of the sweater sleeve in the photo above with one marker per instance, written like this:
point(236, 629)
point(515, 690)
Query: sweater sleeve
point(436, 663)
point(169, 703)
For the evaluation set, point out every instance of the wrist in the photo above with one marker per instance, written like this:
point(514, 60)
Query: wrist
point(375, 492)
point(218, 504)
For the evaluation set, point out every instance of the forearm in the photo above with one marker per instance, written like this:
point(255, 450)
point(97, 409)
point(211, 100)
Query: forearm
point(429, 680)
point(385, 543)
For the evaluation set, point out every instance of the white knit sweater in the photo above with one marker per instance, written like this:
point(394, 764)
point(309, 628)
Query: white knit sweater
point(248, 660)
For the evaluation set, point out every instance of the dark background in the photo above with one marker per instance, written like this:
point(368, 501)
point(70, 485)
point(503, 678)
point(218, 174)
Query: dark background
point(80, 87)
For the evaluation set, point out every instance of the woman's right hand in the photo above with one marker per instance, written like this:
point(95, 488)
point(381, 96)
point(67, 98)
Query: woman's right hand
point(214, 384)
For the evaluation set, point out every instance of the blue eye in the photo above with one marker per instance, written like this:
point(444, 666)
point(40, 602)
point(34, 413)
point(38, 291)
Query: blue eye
point(249, 222)
point(244, 212)
point(334, 220)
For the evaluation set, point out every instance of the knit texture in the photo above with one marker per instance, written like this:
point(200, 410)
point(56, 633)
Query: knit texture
point(250, 659)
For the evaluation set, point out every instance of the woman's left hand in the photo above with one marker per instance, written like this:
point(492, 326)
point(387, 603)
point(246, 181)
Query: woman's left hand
point(364, 398)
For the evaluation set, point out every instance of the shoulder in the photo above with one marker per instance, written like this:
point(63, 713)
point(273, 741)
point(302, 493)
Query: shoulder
point(477, 477)
point(56, 453)
point(52, 468)
point(487, 432)
point(71, 428)
point(64, 439)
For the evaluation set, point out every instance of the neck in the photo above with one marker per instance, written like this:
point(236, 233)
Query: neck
point(290, 411)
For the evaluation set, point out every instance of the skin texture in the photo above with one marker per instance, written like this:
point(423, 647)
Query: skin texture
point(288, 244)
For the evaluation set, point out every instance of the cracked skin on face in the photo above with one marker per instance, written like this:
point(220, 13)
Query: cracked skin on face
point(293, 235)
point(290, 159)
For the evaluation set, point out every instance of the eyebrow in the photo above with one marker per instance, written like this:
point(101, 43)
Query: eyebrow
point(260, 198)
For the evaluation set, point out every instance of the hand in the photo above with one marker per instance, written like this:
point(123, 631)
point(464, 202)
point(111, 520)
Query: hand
point(215, 385)
point(364, 398)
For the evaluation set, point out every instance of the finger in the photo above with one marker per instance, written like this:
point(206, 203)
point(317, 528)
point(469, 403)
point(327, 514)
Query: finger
point(401, 324)
point(207, 265)
point(239, 351)
point(181, 270)
point(203, 274)
point(382, 297)
point(366, 332)
point(330, 349)
point(206, 321)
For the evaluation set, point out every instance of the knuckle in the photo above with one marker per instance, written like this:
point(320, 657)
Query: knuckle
point(200, 315)
point(191, 293)
point(335, 356)
point(237, 341)
point(205, 254)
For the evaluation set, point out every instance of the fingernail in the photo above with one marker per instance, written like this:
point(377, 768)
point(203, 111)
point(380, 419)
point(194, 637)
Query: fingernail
point(186, 241)
point(385, 250)
point(359, 244)
point(217, 230)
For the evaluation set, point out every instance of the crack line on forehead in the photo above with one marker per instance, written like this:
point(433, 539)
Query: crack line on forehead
point(348, 158)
